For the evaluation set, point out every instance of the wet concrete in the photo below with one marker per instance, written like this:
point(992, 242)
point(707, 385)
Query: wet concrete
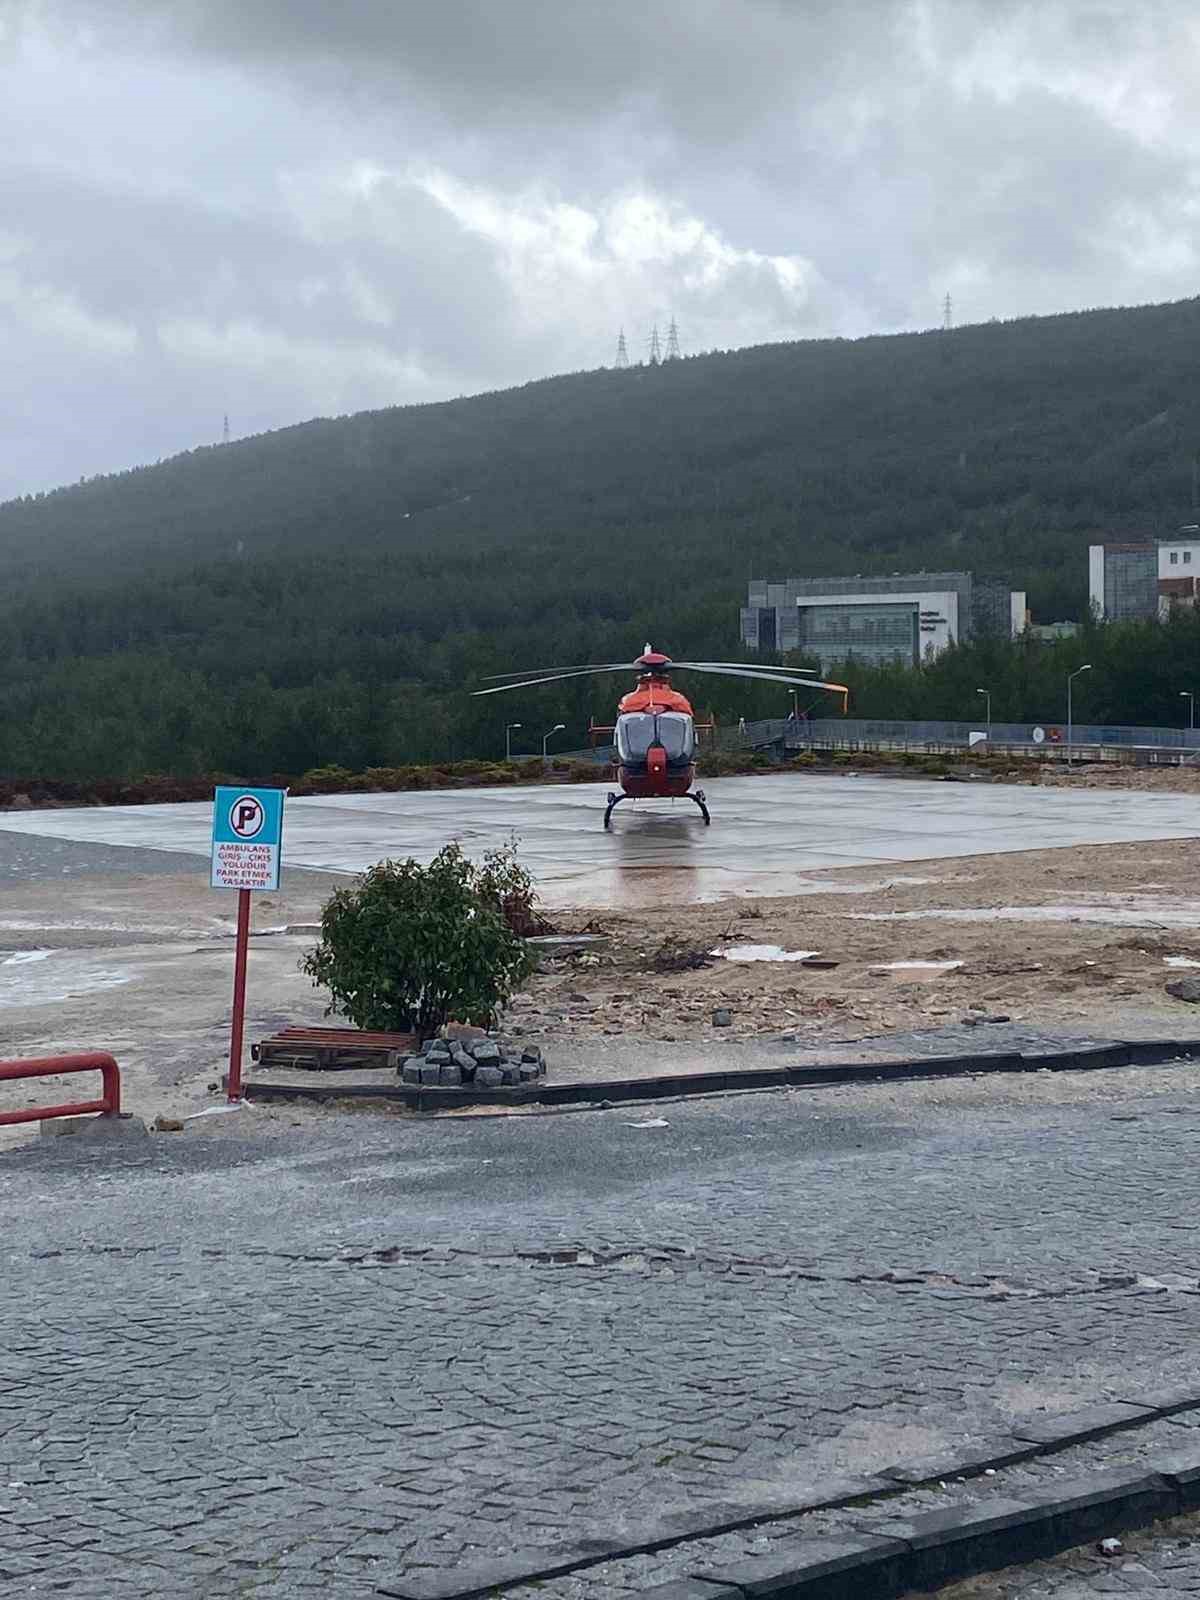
point(768, 833)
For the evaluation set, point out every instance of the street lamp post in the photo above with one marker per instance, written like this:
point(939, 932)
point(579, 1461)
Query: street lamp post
point(508, 733)
point(1186, 694)
point(557, 728)
point(1071, 676)
point(987, 695)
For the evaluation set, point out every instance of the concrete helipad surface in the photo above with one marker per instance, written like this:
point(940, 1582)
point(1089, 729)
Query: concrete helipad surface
point(768, 833)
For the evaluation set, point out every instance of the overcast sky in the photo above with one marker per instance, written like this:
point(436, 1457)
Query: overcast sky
point(288, 208)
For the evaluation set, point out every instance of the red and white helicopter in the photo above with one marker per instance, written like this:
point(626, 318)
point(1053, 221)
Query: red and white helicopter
point(655, 731)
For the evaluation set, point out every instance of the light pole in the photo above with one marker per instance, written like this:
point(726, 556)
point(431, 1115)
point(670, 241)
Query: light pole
point(1186, 694)
point(1071, 676)
point(508, 733)
point(557, 728)
point(987, 695)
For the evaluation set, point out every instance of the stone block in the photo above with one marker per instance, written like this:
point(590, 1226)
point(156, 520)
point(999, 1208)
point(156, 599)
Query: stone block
point(487, 1051)
point(430, 1072)
point(1079, 1426)
point(487, 1077)
point(1101, 1504)
point(450, 1076)
point(692, 1589)
point(528, 1071)
point(411, 1070)
point(1181, 1469)
point(957, 1541)
point(510, 1074)
point(1167, 1401)
point(834, 1568)
point(464, 1062)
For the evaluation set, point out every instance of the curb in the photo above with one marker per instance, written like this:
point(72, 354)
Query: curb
point(884, 1556)
point(1114, 1053)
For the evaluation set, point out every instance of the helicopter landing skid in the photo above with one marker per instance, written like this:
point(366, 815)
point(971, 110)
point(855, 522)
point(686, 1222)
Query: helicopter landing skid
point(614, 800)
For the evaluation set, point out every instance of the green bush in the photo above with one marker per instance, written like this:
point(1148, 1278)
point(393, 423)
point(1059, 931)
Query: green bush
point(407, 947)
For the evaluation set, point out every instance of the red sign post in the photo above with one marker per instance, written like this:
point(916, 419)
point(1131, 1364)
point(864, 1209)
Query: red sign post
point(234, 1085)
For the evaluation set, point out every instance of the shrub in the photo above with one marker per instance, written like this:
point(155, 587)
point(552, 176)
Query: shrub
point(408, 947)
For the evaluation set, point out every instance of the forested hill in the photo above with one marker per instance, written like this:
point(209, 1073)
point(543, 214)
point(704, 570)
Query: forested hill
point(277, 602)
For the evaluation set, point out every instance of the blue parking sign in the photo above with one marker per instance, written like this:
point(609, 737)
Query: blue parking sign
point(247, 838)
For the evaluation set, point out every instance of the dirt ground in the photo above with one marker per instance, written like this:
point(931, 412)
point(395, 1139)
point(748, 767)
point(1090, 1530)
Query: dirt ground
point(1069, 940)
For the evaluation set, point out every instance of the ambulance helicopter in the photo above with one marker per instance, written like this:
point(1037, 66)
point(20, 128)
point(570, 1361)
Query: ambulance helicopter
point(656, 727)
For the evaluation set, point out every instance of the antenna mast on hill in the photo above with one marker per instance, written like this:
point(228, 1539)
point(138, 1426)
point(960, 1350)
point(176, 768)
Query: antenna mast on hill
point(672, 342)
point(225, 431)
point(622, 353)
point(655, 348)
point(947, 314)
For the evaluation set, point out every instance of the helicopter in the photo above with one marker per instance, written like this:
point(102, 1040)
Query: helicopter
point(655, 731)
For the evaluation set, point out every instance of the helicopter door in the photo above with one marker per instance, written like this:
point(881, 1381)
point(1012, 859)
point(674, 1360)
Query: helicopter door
point(677, 735)
point(635, 735)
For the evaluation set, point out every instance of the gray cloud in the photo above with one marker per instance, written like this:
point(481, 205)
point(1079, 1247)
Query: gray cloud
point(286, 208)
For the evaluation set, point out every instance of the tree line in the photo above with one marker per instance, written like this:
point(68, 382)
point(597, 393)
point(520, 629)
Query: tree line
point(330, 592)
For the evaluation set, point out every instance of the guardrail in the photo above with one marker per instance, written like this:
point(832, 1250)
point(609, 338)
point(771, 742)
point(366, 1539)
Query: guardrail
point(1135, 745)
point(55, 1066)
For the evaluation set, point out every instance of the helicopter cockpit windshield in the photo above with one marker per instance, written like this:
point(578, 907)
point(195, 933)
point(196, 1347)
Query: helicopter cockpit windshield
point(637, 731)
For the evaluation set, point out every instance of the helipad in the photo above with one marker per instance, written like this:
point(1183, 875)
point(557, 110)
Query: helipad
point(767, 835)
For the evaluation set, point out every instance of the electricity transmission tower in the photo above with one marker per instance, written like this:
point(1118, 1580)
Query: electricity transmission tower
point(622, 353)
point(225, 431)
point(672, 342)
point(655, 348)
point(947, 314)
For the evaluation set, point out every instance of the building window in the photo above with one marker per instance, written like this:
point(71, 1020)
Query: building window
point(1187, 558)
point(1174, 558)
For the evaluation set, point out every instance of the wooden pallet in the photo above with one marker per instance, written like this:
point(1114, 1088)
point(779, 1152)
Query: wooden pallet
point(332, 1049)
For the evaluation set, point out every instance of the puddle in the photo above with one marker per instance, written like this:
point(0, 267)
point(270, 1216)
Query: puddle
point(1119, 912)
point(876, 886)
point(22, 983)
point(762, 952)
point(918, 967)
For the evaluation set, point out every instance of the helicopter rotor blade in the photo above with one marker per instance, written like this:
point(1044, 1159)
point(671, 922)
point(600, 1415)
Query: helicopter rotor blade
point(750, 666)
point(598, 666)
point(758, 675)
point(556, 677)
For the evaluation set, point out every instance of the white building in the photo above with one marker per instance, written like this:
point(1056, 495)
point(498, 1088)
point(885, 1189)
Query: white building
point(910, 617)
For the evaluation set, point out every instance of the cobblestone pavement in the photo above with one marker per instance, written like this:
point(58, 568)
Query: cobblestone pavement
point(236, 1366)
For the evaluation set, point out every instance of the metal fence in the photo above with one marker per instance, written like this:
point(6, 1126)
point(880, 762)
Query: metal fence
point(1048, 738)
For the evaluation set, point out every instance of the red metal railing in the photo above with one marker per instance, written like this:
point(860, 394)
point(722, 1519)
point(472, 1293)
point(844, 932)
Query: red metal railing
point(51, 1067)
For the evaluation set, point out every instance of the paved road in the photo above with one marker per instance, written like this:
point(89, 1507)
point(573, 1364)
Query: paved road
point(767, 832)
point(245, 1365)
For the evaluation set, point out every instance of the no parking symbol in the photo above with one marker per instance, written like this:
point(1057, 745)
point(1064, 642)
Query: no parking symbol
point(247, 815)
